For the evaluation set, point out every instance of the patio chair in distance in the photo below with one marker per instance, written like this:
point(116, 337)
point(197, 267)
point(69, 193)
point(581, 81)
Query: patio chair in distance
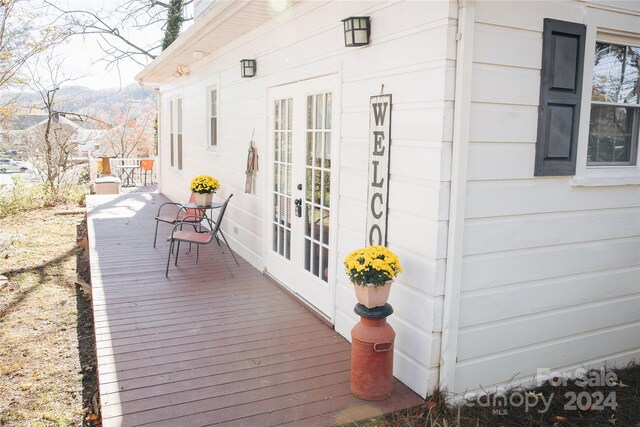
point(146, 165)
point(202, 237)
point(180, 216)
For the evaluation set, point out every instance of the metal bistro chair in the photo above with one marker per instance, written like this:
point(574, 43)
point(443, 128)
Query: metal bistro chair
point(180, 216)
point(202, 237)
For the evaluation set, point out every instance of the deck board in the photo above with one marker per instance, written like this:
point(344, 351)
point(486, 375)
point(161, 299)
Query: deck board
point(203, 347)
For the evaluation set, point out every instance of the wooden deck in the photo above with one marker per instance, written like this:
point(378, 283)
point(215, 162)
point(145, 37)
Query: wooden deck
point(151, 187)
point(203, 347)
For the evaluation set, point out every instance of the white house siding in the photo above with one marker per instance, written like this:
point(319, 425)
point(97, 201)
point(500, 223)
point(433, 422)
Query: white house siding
point(412, 53)
point(551, 270)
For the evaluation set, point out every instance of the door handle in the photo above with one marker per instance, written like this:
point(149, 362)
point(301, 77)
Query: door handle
point(298, 207)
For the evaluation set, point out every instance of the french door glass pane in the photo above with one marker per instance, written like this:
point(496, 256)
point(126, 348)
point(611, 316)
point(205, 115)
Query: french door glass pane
point(282, 204)
point(317, 184)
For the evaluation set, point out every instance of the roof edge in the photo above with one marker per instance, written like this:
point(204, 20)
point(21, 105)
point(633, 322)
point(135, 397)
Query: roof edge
point(216, 11)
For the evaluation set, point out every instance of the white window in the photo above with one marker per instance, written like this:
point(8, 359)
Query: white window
point(213, 117)
point(175, 132)
point(608, 134)
point(615, 111)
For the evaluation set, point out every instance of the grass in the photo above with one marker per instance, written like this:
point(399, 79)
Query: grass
point(47, 376)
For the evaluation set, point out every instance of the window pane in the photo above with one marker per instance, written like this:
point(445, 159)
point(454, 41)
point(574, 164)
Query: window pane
point(214, 100)
point(179, 114)
point(615, 74)
point(180, 151)
point(610, 134)
point(171, 137)
point(214, 132)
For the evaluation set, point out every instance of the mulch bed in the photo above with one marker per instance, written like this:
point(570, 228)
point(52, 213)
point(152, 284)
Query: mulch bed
point(597, 398)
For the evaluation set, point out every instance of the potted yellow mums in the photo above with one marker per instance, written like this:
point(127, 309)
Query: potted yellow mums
point(371, 270)
point(204, 186)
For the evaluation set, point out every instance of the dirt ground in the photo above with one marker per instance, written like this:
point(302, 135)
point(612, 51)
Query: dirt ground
point(47, 350)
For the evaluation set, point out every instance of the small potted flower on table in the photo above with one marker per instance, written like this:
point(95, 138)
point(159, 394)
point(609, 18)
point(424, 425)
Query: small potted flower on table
point(204, 186)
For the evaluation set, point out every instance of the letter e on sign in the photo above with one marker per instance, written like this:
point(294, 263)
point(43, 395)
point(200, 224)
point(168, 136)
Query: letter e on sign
point(378, 182)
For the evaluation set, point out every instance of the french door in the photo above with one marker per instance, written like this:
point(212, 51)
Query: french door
point(300, 245)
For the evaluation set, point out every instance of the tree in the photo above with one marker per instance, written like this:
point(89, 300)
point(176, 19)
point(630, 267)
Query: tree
point(174, 22)
point(20, 41)
point(131, 133)
point(51, 144)
point(126, 31)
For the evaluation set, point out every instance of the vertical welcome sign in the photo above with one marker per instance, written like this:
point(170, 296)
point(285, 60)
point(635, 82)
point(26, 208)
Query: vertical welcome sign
point(378, 184)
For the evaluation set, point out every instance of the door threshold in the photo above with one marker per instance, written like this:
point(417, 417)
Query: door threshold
point(303, 302)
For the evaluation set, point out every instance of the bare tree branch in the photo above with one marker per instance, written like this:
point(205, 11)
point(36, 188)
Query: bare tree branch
point(124, 30)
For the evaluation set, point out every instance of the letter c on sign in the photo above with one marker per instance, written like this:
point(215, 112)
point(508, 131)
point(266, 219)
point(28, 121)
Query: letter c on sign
point(375, 228)
point(377, 215)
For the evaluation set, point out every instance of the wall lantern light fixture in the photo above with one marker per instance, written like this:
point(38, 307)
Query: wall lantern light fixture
point(248, 68)
point(357, 30)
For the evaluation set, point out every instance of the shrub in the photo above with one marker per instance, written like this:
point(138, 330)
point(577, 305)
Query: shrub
point(22, 197)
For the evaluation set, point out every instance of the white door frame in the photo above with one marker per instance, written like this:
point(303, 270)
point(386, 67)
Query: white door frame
point(331, 82)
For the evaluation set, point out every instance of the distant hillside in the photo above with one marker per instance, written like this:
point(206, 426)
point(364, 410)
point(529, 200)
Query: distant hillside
point(83, 100)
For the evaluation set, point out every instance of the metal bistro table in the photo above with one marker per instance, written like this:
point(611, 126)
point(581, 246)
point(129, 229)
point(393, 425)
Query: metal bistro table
point(127, 171)
point(209, 207)
point(202, 208)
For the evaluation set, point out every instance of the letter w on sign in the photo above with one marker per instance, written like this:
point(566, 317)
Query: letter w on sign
point(378, 182)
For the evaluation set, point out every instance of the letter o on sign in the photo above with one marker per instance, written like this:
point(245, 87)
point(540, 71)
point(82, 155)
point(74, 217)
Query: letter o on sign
point(377, 233)
point(376, 215)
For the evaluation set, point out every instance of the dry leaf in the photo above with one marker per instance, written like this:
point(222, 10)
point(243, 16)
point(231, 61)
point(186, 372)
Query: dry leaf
point(25, 386)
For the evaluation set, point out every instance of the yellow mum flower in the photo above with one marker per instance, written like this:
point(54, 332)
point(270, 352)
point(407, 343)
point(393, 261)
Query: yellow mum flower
point(204, 184)
point(374, 264)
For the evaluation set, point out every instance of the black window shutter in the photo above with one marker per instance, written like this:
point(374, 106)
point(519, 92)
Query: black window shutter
point(560, 97)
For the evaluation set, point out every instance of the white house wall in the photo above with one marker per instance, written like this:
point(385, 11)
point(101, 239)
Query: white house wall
point(412, 53)
point(551, 270)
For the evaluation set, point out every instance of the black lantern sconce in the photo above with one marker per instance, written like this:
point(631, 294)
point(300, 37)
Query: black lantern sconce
point(248, 68)
point(357, 30)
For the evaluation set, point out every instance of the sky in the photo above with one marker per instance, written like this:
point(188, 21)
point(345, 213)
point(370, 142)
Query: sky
point(83, 55)
point(82, 58)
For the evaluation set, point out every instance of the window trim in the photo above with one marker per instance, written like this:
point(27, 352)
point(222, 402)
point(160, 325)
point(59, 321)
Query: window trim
point(211, 147)
point(597, 30)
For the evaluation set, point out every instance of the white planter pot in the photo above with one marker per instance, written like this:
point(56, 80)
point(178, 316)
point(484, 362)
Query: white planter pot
point(203, 199)
point(371, 297)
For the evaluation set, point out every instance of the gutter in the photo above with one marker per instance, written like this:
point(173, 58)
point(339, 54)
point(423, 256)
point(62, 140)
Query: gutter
point(457, 200)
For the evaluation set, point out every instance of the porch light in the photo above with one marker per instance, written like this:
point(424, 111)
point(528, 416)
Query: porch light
point(357, 30)
point(248, 68)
